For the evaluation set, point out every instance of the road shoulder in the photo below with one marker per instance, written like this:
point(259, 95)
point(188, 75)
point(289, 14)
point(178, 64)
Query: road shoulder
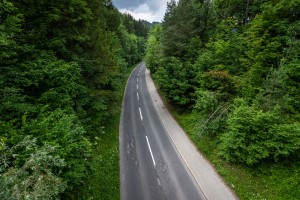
point(204, 174)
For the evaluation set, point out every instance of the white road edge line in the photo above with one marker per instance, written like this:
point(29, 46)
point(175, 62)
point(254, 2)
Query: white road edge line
point(141, 114)
point(137, 94)
point(150, 151)
point(161, 119)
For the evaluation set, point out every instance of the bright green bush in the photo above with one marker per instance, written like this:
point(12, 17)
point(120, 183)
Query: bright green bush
point(253, 135)
point(206, 101)
point(61, 131)
point(285, 139)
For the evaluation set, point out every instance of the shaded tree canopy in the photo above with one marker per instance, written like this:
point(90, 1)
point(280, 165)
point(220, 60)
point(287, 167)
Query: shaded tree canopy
point(61, 68)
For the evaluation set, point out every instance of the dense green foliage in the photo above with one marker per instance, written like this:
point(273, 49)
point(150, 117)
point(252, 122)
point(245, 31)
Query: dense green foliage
point(235, 65)
point(104, 179)
point(62, 66)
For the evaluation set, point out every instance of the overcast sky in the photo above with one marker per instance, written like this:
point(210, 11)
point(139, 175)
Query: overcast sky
point(150, 10)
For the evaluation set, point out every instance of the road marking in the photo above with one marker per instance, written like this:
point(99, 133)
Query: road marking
point(150, 151)
point(181, 155)
point(137, 80)
point(137, 86)
point(158, 181)
point(137, 94)
point(141, 114)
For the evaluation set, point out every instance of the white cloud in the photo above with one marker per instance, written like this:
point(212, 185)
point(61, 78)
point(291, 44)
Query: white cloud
point(143, 11)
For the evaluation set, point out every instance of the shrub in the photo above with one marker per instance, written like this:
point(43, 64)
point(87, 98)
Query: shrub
point(206, 101)
point(286, 139)
point(62, 131)
point(254, 135)
point(37, 178)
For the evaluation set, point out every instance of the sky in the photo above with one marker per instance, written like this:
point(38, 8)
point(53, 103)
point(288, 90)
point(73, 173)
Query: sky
point(150, 10)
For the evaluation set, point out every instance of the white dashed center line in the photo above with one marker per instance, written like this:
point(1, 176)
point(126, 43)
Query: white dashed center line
point(150, 151)
point(141, 114)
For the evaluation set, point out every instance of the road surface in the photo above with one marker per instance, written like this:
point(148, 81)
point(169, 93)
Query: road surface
point(151, 166)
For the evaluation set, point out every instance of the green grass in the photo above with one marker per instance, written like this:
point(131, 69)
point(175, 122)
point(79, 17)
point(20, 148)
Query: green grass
point(274, 181)
point(104, 180)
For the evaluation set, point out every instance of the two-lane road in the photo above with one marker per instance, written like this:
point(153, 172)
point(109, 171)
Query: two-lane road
point(151, 167)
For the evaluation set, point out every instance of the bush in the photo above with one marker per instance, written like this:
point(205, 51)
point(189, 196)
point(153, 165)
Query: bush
point(254, 135)
point(62, 131)
point(37, 178)
point(215, 126)
point(286, 139)
point(206, 101)
point(220, 82)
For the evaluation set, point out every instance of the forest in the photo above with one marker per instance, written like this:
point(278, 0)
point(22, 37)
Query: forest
point(230, 69)
point(63, 65)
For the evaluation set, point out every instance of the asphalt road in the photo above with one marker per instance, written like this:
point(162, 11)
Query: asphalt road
point(151, 167)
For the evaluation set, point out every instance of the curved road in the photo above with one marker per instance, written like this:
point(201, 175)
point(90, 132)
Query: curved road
point(151, 167)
